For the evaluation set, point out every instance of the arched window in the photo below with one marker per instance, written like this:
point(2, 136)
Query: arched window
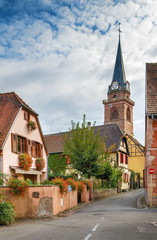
point(128, 114)
point(114, 114)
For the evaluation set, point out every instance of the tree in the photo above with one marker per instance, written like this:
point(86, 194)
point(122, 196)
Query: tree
point(57, 163)
point(84, 147)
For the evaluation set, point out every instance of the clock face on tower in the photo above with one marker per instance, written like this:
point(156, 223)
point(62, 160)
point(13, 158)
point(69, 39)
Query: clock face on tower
point(114, 85)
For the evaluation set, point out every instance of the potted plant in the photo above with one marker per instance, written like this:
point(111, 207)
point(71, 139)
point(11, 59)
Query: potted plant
point(31, 125)
point(25, 161)
point(17, 186)
point(72, 183)
point(40, 163)
point(62, 184)
point(87, 183)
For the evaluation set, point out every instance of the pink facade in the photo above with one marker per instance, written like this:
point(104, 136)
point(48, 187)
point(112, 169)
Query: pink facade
point(20, 132)
point(41, 201)
point(19, 127)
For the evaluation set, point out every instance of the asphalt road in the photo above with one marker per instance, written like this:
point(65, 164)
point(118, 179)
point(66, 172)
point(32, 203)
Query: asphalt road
point(115, 218)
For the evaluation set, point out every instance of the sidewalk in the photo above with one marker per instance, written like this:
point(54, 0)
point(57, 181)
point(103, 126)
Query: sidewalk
point(141, 202)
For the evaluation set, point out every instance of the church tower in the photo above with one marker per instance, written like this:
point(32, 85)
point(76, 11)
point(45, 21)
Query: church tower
point(119, 106)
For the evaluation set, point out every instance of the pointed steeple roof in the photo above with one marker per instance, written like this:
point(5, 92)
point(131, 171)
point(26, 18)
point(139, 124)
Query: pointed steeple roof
point(119, 72)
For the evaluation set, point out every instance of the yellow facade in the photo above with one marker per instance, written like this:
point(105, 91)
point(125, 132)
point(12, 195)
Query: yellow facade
point(136, 159)
point(137, 165)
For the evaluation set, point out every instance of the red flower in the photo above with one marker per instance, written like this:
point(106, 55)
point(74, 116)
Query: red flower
point(40, 164)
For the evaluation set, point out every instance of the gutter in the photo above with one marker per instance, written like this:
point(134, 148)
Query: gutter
point(151, 116)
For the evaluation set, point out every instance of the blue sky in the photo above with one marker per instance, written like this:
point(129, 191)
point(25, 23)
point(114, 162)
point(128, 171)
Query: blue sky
point(59, 55)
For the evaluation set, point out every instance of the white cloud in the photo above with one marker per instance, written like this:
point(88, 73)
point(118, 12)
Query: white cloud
point(58, 60)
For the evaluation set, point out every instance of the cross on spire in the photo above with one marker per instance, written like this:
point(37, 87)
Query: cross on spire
point(119, 30)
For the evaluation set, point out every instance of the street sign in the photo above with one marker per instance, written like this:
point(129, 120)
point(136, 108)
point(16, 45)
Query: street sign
point(151, 170)
point(69, 188)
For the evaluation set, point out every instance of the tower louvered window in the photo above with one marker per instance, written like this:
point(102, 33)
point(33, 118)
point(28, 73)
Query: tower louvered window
point(114, 114)
point(128, 114)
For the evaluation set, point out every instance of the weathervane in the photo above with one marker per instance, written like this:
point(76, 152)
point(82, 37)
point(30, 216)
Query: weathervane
point(119, 30)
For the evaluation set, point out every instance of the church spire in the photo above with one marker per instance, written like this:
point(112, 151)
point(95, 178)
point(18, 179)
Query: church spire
point(119, 80)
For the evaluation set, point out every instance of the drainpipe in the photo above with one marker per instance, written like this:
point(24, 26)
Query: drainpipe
point(154, 118)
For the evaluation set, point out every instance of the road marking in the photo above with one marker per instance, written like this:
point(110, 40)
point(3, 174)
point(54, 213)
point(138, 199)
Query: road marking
point(102, 219)
point(88, 236)
point(95, 227)
point(147, 229)
point(154, 223)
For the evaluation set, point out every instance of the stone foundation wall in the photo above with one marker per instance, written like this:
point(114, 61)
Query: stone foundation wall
point(100, 193)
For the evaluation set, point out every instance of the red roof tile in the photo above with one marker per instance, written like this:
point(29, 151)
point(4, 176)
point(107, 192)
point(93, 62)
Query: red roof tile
point(151, 88)
point(10, 104)
point(55, 142)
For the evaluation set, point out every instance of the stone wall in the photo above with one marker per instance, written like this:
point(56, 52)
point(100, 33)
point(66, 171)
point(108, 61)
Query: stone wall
point(41, 201)
point(100, 193)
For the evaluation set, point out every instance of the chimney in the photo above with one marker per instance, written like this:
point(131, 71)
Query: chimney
point(89, 125)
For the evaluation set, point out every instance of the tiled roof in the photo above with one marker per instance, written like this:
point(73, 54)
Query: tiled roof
point(112, 133)
point(55, 142)
point(10, 104)
point(151, 88)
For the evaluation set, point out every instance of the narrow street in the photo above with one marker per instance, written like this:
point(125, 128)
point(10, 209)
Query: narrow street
point(115, 218)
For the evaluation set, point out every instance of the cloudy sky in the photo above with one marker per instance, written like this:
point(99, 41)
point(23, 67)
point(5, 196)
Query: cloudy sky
point(59, 55)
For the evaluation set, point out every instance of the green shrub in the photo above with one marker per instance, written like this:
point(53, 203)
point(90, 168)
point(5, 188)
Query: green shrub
point(47, 182)
point(87, 183)
point(7, 213)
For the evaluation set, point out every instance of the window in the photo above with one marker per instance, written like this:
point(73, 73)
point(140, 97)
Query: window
point(128, 114)
point(36, 149)
point(114, 114)
point(19, 144)
point(24, 145)
point(26, 116)
point(126, 159)
point(121, 158)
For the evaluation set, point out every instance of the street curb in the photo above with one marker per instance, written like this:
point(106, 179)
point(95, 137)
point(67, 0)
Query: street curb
point(141, 202)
